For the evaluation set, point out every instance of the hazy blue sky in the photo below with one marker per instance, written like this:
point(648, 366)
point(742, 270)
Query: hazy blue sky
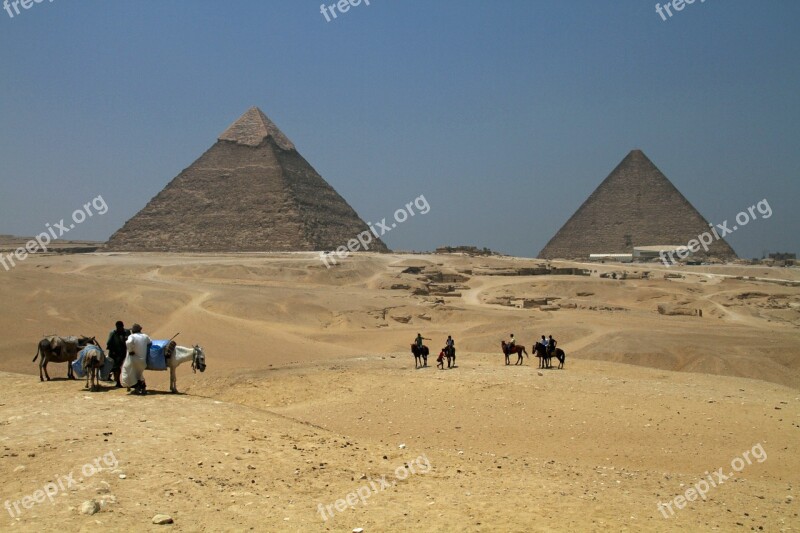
point(504, 114)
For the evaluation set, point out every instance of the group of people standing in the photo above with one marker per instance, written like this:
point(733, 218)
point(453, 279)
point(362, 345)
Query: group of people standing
point(123, 343)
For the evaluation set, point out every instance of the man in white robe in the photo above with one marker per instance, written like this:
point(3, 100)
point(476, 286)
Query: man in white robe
point(137, 345)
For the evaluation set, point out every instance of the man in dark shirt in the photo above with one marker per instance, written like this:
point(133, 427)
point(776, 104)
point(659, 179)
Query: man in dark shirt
point(117, 350)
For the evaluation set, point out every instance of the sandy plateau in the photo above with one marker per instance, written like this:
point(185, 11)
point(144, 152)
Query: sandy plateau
point(311, 395)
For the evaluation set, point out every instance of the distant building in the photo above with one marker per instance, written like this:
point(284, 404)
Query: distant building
point(467, 250)
point(648, 253)
point(783, 256)
point(613, 258)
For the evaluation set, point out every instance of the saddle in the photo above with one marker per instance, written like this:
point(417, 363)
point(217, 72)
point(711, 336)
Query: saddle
point(159, 354)
point(169, 350)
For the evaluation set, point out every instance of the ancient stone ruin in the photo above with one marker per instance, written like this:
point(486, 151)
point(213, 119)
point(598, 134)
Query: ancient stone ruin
point(636, 205)
point(251, 191)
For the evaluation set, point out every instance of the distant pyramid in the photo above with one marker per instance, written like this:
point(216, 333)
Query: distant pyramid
point(251, 191)
point(636, 205)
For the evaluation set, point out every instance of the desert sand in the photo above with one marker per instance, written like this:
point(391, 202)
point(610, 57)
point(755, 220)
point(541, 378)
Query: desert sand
point(311, 394)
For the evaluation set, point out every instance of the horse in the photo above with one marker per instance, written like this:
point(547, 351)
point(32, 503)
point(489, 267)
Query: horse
point(559, 354)
point(450, 353)
point(545, 356)
point(541, 352)
point(517, 349)
point(93, 360)
point(55, 349)
point(420, 355)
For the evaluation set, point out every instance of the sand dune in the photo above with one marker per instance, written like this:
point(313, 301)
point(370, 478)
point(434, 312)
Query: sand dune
point(310, 387)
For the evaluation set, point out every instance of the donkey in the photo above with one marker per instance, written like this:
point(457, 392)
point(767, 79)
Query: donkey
point(55, 349)
point(181, 355)
point(93, 360)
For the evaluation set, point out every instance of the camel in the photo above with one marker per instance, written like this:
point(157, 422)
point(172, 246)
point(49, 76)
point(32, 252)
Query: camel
point(420, 355)
point(55, 349)
point(517, 349)
point(545, 357)
point(93, 360)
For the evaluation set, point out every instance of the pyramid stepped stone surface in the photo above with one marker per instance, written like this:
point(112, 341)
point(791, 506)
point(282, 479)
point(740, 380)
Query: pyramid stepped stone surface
point(251, 191)
point(636, 205)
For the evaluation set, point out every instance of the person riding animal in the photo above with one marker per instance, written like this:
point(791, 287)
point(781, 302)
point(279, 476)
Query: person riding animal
point(450, 351)
point(419, 340)
point(512, 343)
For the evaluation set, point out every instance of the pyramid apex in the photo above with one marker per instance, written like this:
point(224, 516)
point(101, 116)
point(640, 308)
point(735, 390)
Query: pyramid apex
point(637, 157)
point(252, 128)
point(638, 153)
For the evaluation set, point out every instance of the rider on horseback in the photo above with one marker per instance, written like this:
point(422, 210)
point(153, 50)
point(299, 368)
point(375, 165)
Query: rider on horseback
point(551, 345)
point(450, 345)
point(420, 351)
point(512, 343)
point(450, 351)
point(419, 340)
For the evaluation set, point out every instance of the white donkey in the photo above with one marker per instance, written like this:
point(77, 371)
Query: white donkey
point(136, 364)
point(182, 355)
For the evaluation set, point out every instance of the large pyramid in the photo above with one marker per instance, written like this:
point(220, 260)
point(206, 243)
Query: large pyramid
point(251, 191)
point(636, 205)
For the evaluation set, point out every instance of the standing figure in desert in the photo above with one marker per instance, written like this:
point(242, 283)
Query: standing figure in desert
point(117, 349)
point(137, 344)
